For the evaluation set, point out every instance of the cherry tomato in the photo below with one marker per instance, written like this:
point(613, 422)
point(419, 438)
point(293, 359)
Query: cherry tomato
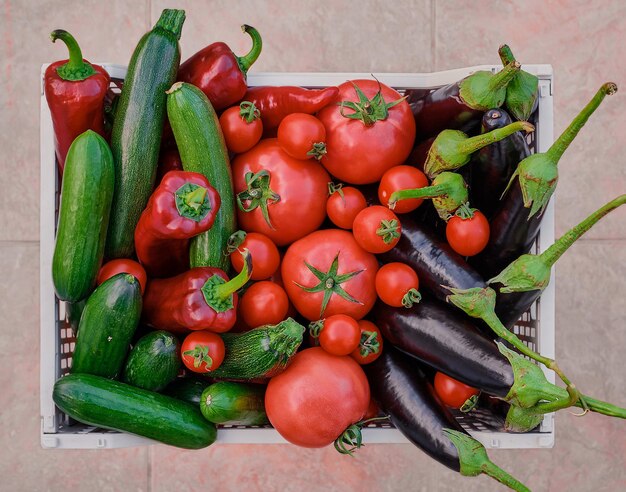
point(123, 265)
point(360, 150)
point(279, 196)
point(452, 392)
point(316, 398)
point(343, 205)
point(265, 255)
point(397, 284)
point(401, 178)
point(242, 127)
point(264, 303)
point(328, 273)
point(370, 344)
point(376, 229)
point(302, 136)
point(340, 335)
point(468, 237)
point(202, 351)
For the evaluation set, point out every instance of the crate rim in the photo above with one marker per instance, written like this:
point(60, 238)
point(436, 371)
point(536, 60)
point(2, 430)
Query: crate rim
point(49, 359)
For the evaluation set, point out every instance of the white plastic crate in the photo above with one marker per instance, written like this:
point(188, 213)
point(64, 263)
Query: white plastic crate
point(536, 327)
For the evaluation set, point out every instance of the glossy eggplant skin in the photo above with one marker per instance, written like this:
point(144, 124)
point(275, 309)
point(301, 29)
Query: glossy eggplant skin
point(435, 263)
point(512, 234)
point(444, 339)
point(493, 166)
point(441, 109)
point(511, 306)
point(403, 392)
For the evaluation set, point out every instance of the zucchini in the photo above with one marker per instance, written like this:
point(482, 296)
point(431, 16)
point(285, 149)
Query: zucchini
point(106, 327)
point(260, 353)
point(153, 362)
point(234, 404)
point(187, 389)
point(86, 194)
point(136, 136)
point(113, 405)
point(73, 312)
point(202, 150)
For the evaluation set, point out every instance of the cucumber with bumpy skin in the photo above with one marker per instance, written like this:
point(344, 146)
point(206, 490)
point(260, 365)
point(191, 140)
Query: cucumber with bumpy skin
point(153, 362)
point(234, 404)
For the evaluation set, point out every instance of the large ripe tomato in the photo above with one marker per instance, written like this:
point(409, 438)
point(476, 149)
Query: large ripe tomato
point(361, 144)
point(328, 273)
point(279, 196)
point(242, 127)
point(316, 398)
point(468, 236)
point(123, 265)
point(264, 303)
point(452, 392)
point(401, 178)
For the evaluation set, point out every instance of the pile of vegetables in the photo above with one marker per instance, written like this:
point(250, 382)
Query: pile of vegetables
point(207, 226)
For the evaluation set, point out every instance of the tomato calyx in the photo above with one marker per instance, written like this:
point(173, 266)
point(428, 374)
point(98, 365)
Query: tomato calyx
point(411, 297)
point(218, 293)
point(317, 151)
point(248, 111)
point(388, 230)
point(335, 188)
point(369, 111)
point(200, 354)
point(192, 201)
point(465, 212)
point(330, 283)
point(469, 404)
point(352, 438)
point(235, 240)
point(315, 328)
point(369, 343)
point(259, 194)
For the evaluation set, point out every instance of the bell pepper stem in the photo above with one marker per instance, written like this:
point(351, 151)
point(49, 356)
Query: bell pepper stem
point(556, 250)
point(196, 197)
point(504, 76)
point(471, 145)
point(506, 55)
point(218, 294)
point(246, 61)
point(76, 68)
point(562, 143)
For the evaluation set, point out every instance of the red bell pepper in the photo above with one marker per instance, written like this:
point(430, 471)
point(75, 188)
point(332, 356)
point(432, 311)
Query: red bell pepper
point(217, 72)
point(75, 92)
point(200, 299)
point(275, 103)
point(182, 206)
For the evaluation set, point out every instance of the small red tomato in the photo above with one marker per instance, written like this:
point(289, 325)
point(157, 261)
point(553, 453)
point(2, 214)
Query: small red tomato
point(468, 236)
point(370, 344)
point(264, 303)
point(340, 335)
point(123, 265)
point(242, 127)
point(376, 229)
point(344, 204)
point(202, 351)
point(264, 253)
point(401, 178)
point(302, 136)
point(397, 284)
point(452, 392)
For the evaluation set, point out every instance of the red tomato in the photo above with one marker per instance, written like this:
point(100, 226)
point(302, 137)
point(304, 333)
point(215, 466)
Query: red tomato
point(292, 193)
point(327, 273)
point(123, 265)
point(370, 344)
point(343, 206)
point(340, 335)
point(373, 410)
point(316, 398)
point(242, 127)
point(202, 351)
point(264, 303)
point(302, 136)
point(401, 178)
point(376, 229)
point(397, 284)
point(468, 237)
point(452, 392)
point(265, 255)
point(360, 152)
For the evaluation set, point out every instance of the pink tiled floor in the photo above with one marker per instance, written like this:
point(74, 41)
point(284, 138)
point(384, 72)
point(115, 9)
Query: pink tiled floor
point(584, 42)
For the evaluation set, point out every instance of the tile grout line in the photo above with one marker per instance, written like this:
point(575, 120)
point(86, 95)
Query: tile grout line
point(150, 477)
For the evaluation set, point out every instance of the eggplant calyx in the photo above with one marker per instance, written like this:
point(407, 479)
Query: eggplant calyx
point(526, 273)
point(258, 194)
point(484, 90)
point(367, 110)
point(477, 302)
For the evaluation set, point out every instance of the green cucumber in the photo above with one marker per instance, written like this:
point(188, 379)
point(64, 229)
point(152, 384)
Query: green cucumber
point(106, 327)
point(86, 194)
point(138, 125)
point(234, 404)
point(153, 362)
point(113, 405)
point(187, 389)
point(260, 353)
point(202, 149)
point(73, 312)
